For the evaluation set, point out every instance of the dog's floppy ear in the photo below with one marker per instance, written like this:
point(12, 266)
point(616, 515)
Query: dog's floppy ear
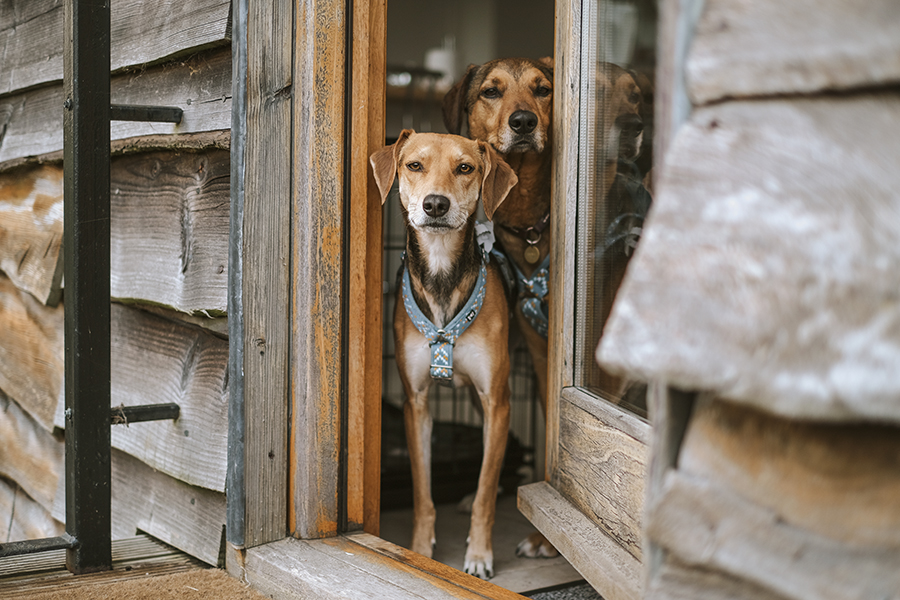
point(384, 163)
point(454, 106)
point(499, 178)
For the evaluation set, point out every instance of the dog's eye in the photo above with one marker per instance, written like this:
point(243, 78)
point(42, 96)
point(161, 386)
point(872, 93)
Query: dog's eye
point(542, 92)
point(414, 166)
point(465, 168)
point(634, 98)
point(490, 92)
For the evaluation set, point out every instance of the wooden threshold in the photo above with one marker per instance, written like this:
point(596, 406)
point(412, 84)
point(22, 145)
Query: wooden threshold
point(133, 558)
point(606, 565)
point(359, 566)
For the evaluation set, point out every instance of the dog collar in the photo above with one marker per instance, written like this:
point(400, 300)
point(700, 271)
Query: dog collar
point(441, 341)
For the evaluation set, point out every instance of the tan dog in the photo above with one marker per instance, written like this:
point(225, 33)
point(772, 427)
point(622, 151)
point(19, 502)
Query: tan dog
point(441, 179)
point(508, 103)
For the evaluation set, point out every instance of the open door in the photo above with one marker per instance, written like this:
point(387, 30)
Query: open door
point(591, 505)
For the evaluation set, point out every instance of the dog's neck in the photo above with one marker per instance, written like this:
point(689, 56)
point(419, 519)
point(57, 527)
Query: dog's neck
point(443, 270)
point(529, 199)
point(525, 206)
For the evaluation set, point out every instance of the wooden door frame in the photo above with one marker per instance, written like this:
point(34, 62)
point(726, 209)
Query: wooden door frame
point(305, 302)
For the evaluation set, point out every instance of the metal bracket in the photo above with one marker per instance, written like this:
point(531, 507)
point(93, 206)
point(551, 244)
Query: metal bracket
point(155, 114)
point(124, 415)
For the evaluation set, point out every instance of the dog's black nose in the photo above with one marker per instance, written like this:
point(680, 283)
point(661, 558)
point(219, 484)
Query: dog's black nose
point(523, 121)
point(435, 206)
point(630, 124)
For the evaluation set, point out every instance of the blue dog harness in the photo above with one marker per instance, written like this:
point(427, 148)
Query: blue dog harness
point(533, 295)
point(531, 292)
point(441, 341)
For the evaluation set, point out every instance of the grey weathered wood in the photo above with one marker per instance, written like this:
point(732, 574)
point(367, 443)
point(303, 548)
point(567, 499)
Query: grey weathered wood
point(670, 411)
point(838, 481)
point(705, 524)
point(140, 33)
point(766, 272)
point(29, 454)
point(604, 563)
point(144, 499)
point(154, 361)
point(169, 230)
point(31, 229)
point(266, 270)
point(31, 121)
point(21, 518)
point(601, 471)
point(31, 352)
point(678, 582)
point(770, 47)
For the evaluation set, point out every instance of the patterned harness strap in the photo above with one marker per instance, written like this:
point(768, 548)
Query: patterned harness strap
point(442, 341)
point(533, 295)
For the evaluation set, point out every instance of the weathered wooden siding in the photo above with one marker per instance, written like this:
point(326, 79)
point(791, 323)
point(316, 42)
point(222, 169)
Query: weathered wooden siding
point(31, 352)
point(170, 221)
point(187, 517)
point(31, 121)
point(169, 229)
point(31, 229)
point(766, 278)
point(29, 454)
point(21, 517)
point(31, 34)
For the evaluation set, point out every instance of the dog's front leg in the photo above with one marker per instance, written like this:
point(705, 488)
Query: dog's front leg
point(417, 419)
point(479, 559)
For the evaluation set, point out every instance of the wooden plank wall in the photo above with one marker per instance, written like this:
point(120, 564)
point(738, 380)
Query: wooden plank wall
point(170, 188)
point(767, 279)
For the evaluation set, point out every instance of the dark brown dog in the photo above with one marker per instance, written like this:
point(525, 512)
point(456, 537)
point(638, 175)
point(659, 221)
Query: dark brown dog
point(441, 179)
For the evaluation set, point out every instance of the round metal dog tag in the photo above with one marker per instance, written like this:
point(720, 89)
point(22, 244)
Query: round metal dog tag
point(532, 254)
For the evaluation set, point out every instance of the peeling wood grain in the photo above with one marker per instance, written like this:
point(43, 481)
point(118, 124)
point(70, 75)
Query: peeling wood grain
point(169, 230)
point(769, 47)
point(31, 121)
point(601, 470)
point(704, 524)
point(31, 229)
point(31, 352)
point(767, 271)
point(155, 360)
point(144, 499)
point(30, 455)
point(140, 33)
point(838, 481)
point(21, 518)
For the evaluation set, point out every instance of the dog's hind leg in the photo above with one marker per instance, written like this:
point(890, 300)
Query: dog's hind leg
point(417, 419)
point(479, 559)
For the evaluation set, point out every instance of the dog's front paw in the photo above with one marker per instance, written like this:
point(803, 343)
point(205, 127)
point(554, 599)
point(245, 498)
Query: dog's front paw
point(536, 546)
point(480, 565)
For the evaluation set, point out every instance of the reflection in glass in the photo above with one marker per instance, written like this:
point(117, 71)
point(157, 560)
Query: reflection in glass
point(618, 63)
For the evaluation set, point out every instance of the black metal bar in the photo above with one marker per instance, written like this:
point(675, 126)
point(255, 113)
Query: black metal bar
point(87, 262)
point(156, 114)
point(63, 542)
point(123, 415)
